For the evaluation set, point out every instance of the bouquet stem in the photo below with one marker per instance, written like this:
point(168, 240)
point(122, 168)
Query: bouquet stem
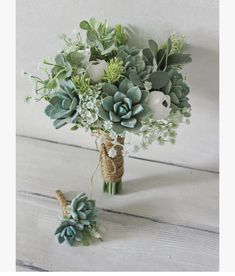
point(112, 169)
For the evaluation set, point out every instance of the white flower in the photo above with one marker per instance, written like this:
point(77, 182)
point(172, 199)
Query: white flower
point(108, 125)
point(147, 85)
point(96, 69)
point(112, 152)
point(90, 105)
point(159, 105)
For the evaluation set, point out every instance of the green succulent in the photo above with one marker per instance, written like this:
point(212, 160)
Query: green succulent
point(69, 232)
point(125, 106)
point(83, 210)
point(134, 64)
point(79, 224)
point(114, 70)
point(177, 89)
point(63, 105)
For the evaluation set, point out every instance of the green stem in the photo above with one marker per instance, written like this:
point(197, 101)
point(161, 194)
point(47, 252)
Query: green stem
point(49, 63)
point(112, 188)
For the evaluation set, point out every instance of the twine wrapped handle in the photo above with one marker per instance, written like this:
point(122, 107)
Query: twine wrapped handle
point(112, 168)
point(62, 201)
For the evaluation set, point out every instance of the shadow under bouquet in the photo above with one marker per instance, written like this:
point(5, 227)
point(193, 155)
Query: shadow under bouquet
point(116, 91)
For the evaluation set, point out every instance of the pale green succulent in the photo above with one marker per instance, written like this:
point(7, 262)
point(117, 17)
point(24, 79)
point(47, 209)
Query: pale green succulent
point(63, 105)
point(80, 222)
point(69, 232)
point(125, 106)
point(133, 63)
point(83, 210)
point(178, 90)
point(162, 60)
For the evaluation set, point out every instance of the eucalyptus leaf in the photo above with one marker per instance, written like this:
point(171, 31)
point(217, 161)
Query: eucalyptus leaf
point(177, 59)
point(85, 25)
point(149, 55)
point(158, 79)
point(154, 47)
point(108, 50)
point(92, 35)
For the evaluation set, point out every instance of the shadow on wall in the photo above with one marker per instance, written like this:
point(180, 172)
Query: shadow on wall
point(204, 72)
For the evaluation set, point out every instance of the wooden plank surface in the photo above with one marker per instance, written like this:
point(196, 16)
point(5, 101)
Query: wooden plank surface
point(165, 220)
point(161, 192)
point(130, 244)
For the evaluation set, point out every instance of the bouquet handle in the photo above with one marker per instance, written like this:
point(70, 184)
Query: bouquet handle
point(112, 169)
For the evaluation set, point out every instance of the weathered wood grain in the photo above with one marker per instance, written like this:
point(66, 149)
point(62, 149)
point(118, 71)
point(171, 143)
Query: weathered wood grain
point(130, 244)
point(20, 268)
point(161, 192)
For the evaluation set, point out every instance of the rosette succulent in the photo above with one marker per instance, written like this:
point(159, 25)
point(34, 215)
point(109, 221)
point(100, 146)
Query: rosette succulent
point(63, 105)
point(134, 64)
point(125, 106)
point(177, 89)
point(79, 222)
point(69, 231)
point(83, 210)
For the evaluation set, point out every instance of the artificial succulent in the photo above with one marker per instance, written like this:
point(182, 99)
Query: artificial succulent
point(69, 232)
point(83, 210)
point(134, 64)
point(63, 105)
point(125, 106)
point(177, 89)
point(79, 224)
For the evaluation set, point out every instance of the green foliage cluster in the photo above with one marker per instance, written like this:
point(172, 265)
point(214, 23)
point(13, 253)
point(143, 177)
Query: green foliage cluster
point(82, 83)
point(103, 39)
point(127, 76)
point(114, 71)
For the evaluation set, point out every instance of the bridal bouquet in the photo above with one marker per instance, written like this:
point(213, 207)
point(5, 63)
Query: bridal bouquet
point(116, 91)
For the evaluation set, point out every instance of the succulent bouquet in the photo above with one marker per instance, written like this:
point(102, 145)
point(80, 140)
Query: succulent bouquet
point(116, 91)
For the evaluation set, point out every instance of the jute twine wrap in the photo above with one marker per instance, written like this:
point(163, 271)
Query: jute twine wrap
point(112, 168)
point(62, 201)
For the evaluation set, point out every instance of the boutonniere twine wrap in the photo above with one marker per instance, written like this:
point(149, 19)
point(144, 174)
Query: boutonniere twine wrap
point(117, 92)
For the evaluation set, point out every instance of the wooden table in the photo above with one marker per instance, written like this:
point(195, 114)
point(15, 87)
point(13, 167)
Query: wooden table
point(166, 219)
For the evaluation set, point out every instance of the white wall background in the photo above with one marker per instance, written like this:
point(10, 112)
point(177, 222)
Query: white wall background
point(39, 22)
